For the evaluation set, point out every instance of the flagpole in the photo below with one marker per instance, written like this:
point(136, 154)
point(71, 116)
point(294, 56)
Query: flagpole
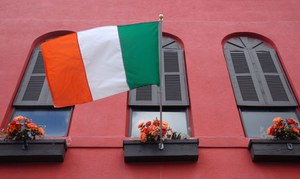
point(161, 143)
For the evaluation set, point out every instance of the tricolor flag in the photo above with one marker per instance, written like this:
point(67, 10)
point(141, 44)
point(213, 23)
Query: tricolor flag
point(100, 62)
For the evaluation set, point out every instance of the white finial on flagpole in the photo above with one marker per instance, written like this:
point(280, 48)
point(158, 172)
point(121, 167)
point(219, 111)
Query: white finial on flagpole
point(161, 17)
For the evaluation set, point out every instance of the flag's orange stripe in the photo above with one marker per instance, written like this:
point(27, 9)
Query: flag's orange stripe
point(65, 71)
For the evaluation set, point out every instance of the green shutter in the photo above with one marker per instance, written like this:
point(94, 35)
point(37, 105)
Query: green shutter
point(34, 89)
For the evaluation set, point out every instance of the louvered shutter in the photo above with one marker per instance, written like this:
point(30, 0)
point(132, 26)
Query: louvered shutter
point(244, 82)
point(34, 89)
point(273, 80)
point(174, 82)
point(256, 74)
point(146, 95)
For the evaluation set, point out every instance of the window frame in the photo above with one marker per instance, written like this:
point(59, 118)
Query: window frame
point(251, 47)
point(169, 45)
point(43, 108)
point(265, 109)
point(156, 109)
point(261, 87)
point(44, 100)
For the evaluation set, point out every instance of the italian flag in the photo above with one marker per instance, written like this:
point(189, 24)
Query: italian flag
point(100, 62)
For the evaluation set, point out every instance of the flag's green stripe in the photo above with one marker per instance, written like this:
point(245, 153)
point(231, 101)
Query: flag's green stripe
point(139, 44)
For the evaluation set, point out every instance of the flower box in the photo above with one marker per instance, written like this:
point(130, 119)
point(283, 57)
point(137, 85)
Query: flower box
point(263, 150)
point(38, 151)
point(174, 150)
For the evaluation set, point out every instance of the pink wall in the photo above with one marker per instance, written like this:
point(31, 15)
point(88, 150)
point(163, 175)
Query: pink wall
point(108, 163)
point(98, 129)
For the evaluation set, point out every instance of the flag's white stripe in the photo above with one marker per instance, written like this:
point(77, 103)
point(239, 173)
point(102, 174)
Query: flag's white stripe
point(102, 57)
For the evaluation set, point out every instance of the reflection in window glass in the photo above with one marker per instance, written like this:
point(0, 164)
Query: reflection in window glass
point(176, 120)
point(55, 121)
point(256, 123)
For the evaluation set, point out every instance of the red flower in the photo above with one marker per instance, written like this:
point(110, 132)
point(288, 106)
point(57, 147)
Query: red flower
point(22, 128)
point(271, 131)
point(277, 119)
point(145, 130)
point(279, 126)
point(284, 129)
point(156, 122)
point(296, 130)
point(151, 131)
point(143, 137)
point(148, 123)
point(141, 125)
point(153, 127)
point(11, 129)
point(18, 126)
point(291, 121)
point(19, 118)
point(31, 126)
point(41, 131)
point(165, 125)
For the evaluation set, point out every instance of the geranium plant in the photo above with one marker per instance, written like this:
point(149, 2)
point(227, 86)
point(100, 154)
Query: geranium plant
point(22, 129)
point(287, 129)
point(150, 131)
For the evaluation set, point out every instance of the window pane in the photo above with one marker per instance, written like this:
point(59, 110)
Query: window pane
point(55, 121)
point(176, 120)
point(256, 123)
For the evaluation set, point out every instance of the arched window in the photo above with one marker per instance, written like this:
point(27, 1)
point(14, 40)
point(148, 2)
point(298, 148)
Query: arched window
point(260, 86)
point(144, 102)
point(34, 101)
